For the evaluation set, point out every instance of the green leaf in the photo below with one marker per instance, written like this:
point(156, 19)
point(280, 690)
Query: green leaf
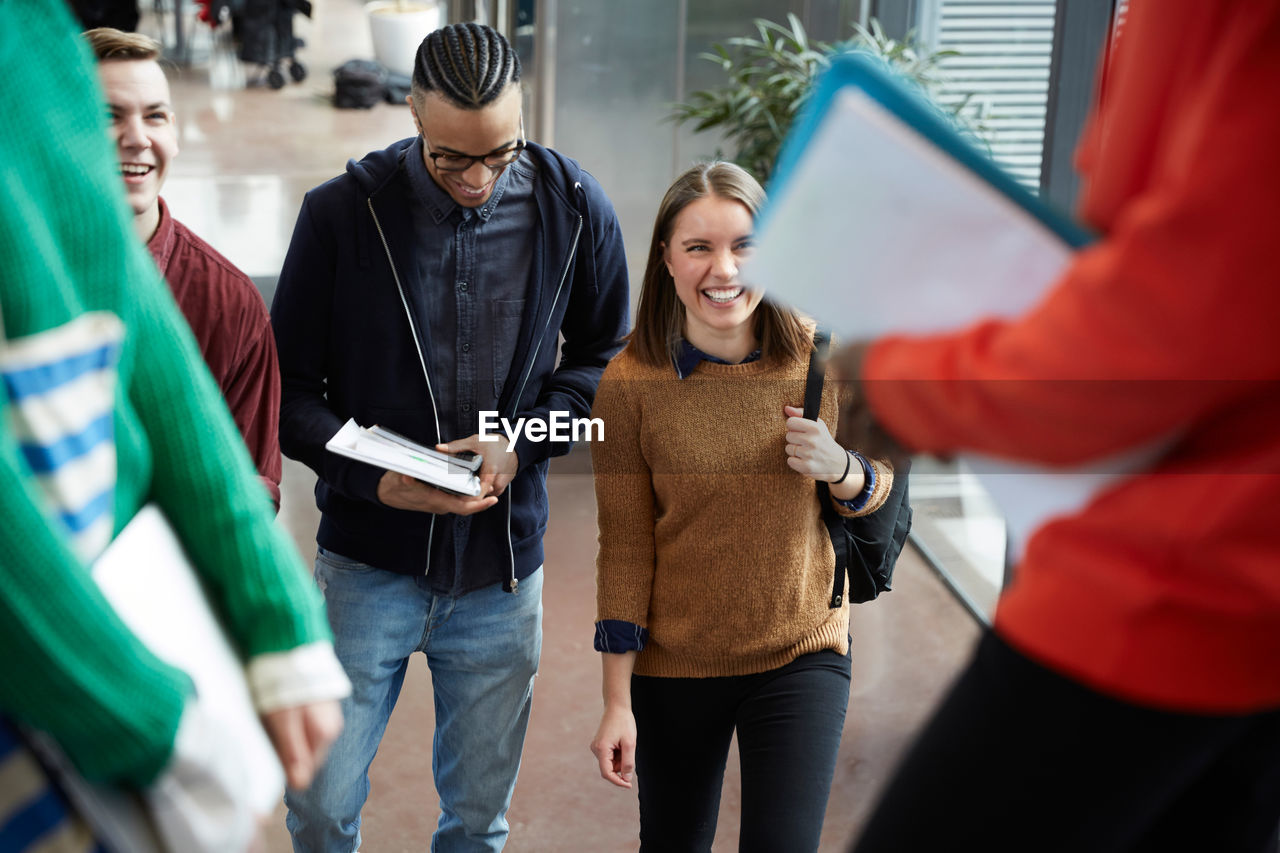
point(769, 78)
point(802, 41)
point(724, 62)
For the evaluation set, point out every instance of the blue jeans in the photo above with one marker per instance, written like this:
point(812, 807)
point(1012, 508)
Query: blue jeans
point(482, 649)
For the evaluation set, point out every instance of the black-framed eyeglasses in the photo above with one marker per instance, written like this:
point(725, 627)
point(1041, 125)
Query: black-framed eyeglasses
point(495, 160)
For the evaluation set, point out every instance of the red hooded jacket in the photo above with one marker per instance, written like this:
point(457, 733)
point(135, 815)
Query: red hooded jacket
point(1165, 590)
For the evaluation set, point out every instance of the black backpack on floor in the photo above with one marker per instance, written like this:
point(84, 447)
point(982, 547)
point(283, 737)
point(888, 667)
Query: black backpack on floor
point(867, 547)
point(358, 84)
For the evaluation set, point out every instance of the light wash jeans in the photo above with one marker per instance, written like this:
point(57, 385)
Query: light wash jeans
point(482, 649)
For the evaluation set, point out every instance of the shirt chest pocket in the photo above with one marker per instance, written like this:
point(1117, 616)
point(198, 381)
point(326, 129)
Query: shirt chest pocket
point(507, 315)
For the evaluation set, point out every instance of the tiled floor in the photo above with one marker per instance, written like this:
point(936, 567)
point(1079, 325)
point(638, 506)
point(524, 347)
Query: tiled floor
point(907, 646)
point(248, 156)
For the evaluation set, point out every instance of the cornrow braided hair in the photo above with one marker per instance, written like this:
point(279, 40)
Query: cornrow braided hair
point(470, 64)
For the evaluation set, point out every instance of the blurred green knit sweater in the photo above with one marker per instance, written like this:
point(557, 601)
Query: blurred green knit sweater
point(70, 667)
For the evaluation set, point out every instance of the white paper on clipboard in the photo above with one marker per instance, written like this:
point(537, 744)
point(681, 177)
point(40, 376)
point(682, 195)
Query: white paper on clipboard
point(878, 231)
point(883, 220)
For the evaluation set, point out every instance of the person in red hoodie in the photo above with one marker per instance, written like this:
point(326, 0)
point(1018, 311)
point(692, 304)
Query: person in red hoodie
point(1128, 696)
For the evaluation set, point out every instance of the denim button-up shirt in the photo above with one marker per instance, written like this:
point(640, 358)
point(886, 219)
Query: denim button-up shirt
point(474, 265)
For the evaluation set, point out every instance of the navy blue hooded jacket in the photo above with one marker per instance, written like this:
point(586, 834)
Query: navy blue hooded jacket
point(352, 339)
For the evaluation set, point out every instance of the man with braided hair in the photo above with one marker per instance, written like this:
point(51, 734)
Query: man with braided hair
point(427, 285)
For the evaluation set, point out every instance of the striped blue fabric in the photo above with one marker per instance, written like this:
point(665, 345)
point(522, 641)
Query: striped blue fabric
point(43, 378)
point(80, 520)
point(36, 819)
point(45, 458)
point(61, 385)
point(34, 815)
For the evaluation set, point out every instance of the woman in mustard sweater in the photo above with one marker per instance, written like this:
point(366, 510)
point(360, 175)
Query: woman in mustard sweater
point(714, 568)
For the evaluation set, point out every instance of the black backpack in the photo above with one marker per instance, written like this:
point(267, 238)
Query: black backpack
point(358, 84)
point(867, 547)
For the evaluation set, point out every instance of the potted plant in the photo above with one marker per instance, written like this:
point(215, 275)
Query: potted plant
point(770, 76)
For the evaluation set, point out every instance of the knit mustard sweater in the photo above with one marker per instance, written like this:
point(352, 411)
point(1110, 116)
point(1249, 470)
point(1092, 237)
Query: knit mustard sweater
point(707, 538)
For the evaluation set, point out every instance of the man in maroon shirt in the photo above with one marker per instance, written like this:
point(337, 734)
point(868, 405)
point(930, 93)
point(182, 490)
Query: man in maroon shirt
point(221, 304)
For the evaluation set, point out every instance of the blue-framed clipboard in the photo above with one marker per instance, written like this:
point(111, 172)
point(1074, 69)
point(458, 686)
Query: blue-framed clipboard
point(883, 217)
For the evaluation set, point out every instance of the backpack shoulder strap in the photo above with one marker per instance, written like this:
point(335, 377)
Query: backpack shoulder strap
point(817, 368)
point(835, 527)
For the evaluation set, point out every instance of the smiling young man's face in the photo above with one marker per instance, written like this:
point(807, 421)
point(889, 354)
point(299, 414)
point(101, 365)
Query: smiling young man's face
point(451, 130)
point(141, 126)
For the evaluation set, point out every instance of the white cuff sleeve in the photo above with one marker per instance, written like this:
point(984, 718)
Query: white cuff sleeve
point(300, 676)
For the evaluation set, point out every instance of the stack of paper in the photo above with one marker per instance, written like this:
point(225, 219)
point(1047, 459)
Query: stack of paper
point(386, 449)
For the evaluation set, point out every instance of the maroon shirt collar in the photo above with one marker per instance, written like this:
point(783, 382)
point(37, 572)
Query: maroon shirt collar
point(162, 242)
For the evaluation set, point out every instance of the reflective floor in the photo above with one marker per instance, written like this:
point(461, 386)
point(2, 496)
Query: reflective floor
point(248, 155)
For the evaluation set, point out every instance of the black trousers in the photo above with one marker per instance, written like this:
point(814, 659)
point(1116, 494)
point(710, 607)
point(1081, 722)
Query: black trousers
point(1019, 758)
point(788, 722)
